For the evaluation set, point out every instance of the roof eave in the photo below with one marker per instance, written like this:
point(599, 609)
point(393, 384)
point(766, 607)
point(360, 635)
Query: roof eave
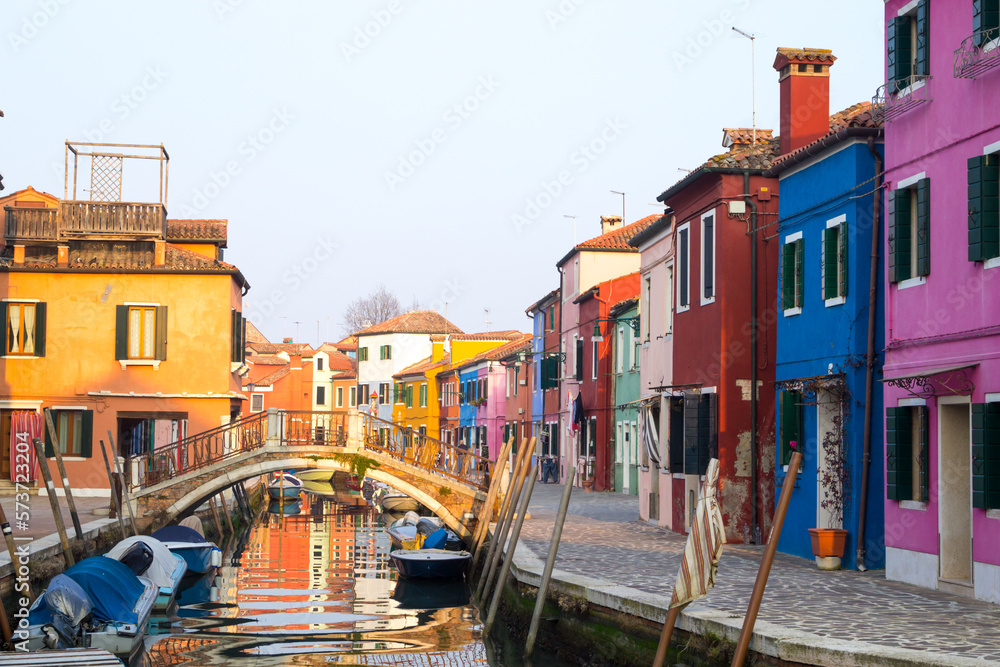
point(688, 180)
point(822, 145)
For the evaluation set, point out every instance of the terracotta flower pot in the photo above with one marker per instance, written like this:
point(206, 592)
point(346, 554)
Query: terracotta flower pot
point(828, 547)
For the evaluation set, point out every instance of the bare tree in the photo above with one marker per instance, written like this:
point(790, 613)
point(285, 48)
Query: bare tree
point(380, 305)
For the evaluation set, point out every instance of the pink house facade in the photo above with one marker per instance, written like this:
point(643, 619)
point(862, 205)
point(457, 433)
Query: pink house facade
point(942, 245)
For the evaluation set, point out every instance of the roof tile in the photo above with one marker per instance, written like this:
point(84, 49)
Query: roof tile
point(415, 322)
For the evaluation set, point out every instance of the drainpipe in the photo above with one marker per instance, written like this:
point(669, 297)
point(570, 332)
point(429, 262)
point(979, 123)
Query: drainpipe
point(753, 354)
point(869, 358)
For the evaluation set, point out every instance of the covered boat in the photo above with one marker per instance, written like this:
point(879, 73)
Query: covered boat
point(430, 563)
point(189, 544)
point(398, 502)
point(429, 525)
point(97, 603)
point(284, 486)
point(403, 532)
point(148, 557)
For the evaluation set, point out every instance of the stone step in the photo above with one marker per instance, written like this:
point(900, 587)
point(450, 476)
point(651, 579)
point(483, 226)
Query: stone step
point(9, 488)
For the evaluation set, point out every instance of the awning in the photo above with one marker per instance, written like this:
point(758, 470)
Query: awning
point(926, 383)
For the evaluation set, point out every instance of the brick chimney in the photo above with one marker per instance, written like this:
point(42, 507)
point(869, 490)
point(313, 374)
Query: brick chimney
point(804, 80)
point(610, 223)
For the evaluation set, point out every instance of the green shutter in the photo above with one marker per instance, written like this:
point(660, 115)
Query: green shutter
point(985, 17)
point(87, 437)
point(161, 333)
point(923, 456)
point(121, 332)
point(243, 339)
point(842, 258)
point(986, 455)
point(791, 424)
point(923, 227)
point(899, 236)
point(40, 319)
point(788, 276)
point(49, 447)
point(923, 39)
point(6, 326)
point(831, 252)
point(708, 433)
point(799, 271)
point(898, 453)
point(898, 53)
point(234, 335)
point(691, 404)
point(984, 207)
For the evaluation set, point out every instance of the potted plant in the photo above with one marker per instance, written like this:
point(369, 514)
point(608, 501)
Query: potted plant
point(828, 543)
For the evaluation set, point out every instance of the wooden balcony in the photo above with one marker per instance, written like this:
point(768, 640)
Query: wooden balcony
point(80, 220)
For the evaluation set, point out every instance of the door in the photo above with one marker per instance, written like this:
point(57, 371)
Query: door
point(955, 491)
point(5, 423)
point(633, 465)
point(620, 474)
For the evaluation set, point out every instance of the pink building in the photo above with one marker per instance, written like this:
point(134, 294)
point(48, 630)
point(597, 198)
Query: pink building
point(942, 245)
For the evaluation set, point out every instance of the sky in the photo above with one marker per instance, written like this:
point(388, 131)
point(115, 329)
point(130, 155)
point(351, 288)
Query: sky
point(436, 148)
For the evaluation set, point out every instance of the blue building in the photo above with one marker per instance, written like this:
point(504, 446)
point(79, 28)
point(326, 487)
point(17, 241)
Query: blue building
point(545, 334)
point(829, 197)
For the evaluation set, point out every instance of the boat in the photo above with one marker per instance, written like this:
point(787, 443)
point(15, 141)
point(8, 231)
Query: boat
point(284, 485)
point(148, 557)
point(398, 502)
point(284, 507)
point(430, 563)
point(428, 525)
point(429, 594)
point(97, 603)
point(403, 532)
point(191, 545)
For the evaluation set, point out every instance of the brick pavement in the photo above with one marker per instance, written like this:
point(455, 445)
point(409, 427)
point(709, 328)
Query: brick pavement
point(40, 520)
point(604, 539)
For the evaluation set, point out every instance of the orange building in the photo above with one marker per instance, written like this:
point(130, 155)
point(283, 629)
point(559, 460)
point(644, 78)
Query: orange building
point(127, 325)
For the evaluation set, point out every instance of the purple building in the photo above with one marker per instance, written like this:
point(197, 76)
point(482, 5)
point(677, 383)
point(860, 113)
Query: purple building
point(942, 245)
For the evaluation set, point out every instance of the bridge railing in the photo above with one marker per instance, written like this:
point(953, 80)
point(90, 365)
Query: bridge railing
point(198, 451)
point(423, 451)
point(303, 427)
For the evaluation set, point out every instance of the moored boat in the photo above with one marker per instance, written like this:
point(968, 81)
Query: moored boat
point(428, 525)
point(430, 563)
point(283, 486)
point(97, 603)
point(199, 554)
point(398, 502)
point(147, 557)
point(403, 532)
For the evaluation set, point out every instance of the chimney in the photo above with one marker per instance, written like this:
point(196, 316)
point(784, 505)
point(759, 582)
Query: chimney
point(804, 80)
point(610, 223)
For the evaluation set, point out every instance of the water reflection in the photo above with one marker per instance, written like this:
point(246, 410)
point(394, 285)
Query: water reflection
point(316, 588)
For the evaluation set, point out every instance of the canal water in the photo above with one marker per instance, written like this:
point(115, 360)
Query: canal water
point(317, 588)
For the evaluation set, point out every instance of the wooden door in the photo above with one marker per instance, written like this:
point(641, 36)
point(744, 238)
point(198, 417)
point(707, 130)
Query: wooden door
point(5, 426)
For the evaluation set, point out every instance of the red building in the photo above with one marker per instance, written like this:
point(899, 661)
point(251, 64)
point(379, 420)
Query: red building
point(725, 283)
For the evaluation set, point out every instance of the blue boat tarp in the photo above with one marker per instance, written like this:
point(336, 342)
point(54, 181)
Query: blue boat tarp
point(179, 534)
point(63, 597)
point(436, 540)
point(113, 589)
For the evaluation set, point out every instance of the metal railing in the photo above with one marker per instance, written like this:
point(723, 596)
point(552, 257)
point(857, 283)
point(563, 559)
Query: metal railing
point(409, 446)
point(979, 53)
point(320, 429)
point(899, 96)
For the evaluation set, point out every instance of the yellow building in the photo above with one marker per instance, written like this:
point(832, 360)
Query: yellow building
point(127, 325)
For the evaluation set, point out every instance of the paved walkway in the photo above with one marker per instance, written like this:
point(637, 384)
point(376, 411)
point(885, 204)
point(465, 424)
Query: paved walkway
point(40, 521)
point(603, 539)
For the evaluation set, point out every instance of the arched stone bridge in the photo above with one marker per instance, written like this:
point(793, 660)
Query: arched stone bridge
point(178, 478)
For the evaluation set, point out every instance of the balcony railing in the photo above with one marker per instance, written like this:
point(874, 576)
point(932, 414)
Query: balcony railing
point(83, 219)
point(897, 97)
point(979, 53)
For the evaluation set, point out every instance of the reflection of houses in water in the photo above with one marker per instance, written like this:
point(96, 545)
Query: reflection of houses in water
point(372, 583)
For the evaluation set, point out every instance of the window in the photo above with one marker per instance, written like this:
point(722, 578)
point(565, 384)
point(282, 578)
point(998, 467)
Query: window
point(562, 356)
point(74, 430)
point(552, 318)
point(397, 392)
point(579, 357)
point(907, 47)
point(593, 359)
point(319, 363)
point(700, 432)
point(985, 20)
point(986, 455)
point(906, 462)
point(423, 395)
point(141, 332)
point(550, 372)
point(707, 258)
point(835, 261)
point(362, 354)
point(237, 336)
point(792, 253)
point(636, 347)
point(353, 397)
point(668, 293)
point(675, 440)
point(645, 312)
point(409, 395)
point(791, 424)
point(383, 393)
point(576, 276)
point(362, 394)
point(984, 207)
point(256, 402)
point(620, 351)
point(682, 259)
point(340, 397)
point(385, 352)
point(25, 327)
point(320, 395)
point(909, 231)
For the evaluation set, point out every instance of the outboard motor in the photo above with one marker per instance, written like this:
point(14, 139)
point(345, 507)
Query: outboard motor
point(138, 558)
point(67, 606)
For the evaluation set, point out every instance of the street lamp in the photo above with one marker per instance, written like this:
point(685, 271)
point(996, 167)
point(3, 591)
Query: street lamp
point(631, 321)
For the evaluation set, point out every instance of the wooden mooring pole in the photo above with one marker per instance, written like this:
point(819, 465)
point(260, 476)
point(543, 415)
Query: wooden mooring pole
point(114, 492)
point(486, 514)
point(8, 535)
point(550, 562)
point(225, 511)
point(501, 537)
point(54, 502)
point(215, 516)
point(65, 480)
point(509, 558)
point(765, 564)
point(503, 511)
point(121, 476)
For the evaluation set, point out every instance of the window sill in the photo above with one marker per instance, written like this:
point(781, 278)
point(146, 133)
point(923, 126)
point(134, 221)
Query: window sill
point(19, 356)
point(835, 301)
point(913, 505)
point(69, 458)
point(790, 312)
point(991, 263)
point(706, 302)
point(155, 363)
point(993, 514)
point(911, 282)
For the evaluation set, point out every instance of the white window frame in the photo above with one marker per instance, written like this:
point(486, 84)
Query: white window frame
point(339, 391)
point(594, 358)
point(682, 229)
point(255, 395)
point(645, 307)
point(839, 221)
point(797, 310)
point(668, 315)
point(620, 351)
point(422, 398)
point(316, 395)
point(701, 254)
